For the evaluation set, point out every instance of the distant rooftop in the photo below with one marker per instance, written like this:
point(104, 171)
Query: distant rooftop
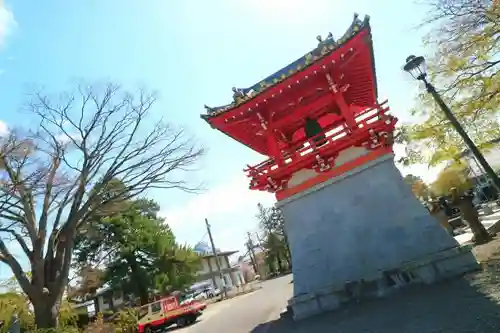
point(205, 251)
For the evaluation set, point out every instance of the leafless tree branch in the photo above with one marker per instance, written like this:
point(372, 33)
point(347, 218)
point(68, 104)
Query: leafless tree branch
point(55, 177)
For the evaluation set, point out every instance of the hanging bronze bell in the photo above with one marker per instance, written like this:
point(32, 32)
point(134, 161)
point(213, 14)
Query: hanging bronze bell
point(311, 129)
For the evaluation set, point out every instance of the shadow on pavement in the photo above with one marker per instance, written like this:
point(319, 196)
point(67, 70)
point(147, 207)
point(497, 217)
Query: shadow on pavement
point(469, 304)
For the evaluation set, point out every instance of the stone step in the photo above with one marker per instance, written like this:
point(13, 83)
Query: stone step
point(287, 312)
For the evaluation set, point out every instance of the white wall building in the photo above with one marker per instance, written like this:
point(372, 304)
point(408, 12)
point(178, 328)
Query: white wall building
point(492, 156)
point(107, 299)
point(231, 274)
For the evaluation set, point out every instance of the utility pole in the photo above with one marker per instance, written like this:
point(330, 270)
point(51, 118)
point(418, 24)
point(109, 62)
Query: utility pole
point(216, 257)
point(252, 259)
point(259, 240)
point(251, 248)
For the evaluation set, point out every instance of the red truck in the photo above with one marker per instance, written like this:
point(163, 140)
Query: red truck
point(167, 311)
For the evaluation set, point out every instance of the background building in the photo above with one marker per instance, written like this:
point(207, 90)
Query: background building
point(208, 273)
point(477, 174)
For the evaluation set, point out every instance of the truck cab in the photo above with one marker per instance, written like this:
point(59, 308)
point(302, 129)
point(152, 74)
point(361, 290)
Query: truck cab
point(167, 311)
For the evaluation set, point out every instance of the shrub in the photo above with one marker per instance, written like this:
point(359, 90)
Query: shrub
point(99, 326)
point(67, 315)
point(60, 329)
point(125, 321)
point(11, 303)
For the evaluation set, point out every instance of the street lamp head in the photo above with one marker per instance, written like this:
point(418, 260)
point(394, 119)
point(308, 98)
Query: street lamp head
point(416, 67)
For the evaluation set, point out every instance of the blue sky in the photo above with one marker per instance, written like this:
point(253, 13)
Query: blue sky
point(192, 53)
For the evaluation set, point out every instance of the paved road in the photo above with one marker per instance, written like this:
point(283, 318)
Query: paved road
point(244, 313)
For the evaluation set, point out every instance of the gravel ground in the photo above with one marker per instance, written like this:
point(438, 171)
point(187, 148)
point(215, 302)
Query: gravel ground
point(468, 304)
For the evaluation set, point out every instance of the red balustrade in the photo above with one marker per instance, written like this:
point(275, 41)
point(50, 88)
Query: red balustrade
point(374, 128)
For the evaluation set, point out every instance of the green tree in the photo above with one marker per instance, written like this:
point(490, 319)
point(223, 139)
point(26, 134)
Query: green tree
point(177, 268)
point(272, 223)
point(465, 64)
point(274, 246)
point(83, 140)
point(138, 250)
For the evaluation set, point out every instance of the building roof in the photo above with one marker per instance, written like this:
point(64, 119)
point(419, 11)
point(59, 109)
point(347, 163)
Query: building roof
point(324, 48)
point(203, 247)
point(219, 254)
point(300, 90)
point(205, 251)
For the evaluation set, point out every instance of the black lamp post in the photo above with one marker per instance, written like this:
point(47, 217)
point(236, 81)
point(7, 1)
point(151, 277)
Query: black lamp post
point(417, 68)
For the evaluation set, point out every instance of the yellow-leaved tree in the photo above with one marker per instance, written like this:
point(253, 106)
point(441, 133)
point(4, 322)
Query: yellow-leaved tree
point(418, 186)
point(456, 175)
point(464, 65)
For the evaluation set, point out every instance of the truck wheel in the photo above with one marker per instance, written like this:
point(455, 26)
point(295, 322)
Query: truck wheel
point(181, 322)
point(148, 329)
point(191, 320)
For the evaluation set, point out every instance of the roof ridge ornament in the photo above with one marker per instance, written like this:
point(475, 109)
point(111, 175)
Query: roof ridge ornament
point(328, 40)
point(238, 95)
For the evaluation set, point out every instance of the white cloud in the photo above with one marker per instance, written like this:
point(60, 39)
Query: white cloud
point(7, 22)
point(428, 174)
point(224, 200)
point(65, 139)
point(3, 129)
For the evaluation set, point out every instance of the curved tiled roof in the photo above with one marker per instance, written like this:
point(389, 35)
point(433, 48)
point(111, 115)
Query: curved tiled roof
point(324, 48)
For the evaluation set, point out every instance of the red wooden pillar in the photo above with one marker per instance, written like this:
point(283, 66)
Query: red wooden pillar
point(272, 141)
point(339, 99)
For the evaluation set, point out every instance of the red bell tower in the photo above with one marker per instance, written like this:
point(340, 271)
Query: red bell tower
point(306, 114)
point(353, 225)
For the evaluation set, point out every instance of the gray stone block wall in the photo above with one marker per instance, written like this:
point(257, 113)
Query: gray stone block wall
point(356, 226)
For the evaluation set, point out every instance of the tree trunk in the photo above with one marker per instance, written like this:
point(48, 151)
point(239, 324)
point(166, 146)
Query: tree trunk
point(46, 316)
point(443, 220)
point(270, 263)
point(287, 250)
point(470, 214)
point(142, 289)
point(481, 235)
point(280, 262)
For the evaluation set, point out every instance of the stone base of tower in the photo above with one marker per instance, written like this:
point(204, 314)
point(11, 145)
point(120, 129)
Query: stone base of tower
point(363, 234)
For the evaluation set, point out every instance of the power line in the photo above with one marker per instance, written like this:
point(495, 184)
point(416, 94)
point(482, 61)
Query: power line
point(203, 238)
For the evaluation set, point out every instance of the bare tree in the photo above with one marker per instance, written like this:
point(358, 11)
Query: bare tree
point(55, 178)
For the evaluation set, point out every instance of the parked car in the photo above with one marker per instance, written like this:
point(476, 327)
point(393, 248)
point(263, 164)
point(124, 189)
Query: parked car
point(200, 295)
point(187, 298)
point(211, 292)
